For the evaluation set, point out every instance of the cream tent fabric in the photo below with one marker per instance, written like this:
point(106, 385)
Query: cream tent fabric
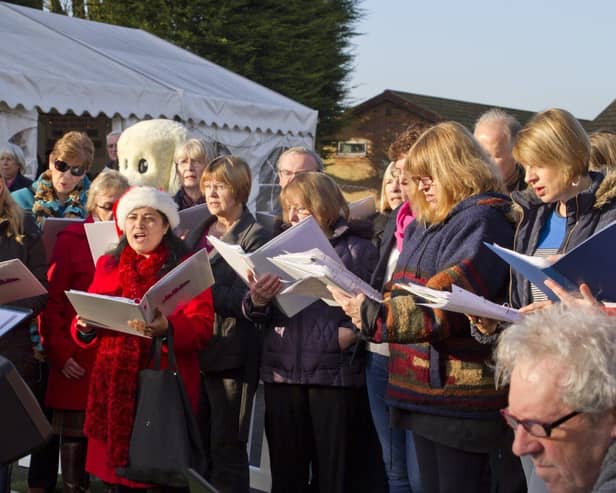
point(50, 61)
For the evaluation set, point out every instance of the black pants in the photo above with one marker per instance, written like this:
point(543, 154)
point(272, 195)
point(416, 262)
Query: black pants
point(308, 429)
point(43, 470)
point(449, 470)
point(229, 397)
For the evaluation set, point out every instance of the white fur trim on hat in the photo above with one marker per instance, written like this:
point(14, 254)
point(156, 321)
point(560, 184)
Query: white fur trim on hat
point(137, 197)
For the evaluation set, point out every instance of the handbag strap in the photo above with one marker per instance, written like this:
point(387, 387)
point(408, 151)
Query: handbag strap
point(156, 350)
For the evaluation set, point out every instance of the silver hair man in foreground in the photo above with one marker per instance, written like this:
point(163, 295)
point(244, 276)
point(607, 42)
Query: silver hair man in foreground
point(560, 364)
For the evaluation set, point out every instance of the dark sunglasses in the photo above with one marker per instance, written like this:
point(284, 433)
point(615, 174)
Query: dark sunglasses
point(61, 166)
point(105, 207)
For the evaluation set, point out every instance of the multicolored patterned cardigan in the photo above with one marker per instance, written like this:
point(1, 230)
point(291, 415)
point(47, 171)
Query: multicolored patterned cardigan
point(438, 367)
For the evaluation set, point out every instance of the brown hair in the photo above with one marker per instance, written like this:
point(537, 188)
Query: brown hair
point(75, 146)
point(450, 155)
point(403, 142)
point(320, 195)
point(231, 170)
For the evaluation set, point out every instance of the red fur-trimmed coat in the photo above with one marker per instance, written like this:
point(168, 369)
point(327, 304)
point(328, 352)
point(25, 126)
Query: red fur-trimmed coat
point(192, 326)
point(71, 267)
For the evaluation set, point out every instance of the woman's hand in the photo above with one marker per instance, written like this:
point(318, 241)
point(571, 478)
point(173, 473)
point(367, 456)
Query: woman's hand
point(156, 328)
point(487, 326)
point(263, 290)
point(73, 370)
point(84, 327)
point(351, 305)
point(583, 299)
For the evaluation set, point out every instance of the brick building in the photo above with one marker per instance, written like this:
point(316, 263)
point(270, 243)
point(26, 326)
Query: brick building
point(373, 124)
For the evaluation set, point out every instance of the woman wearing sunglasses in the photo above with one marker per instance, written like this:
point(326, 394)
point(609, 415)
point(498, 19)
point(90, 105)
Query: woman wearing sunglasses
point(61, 191)
point(70, 366)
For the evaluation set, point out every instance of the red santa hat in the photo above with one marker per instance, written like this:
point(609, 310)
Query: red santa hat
point(137, 197)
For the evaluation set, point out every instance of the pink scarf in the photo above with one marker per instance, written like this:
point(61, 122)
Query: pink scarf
point(404, 217)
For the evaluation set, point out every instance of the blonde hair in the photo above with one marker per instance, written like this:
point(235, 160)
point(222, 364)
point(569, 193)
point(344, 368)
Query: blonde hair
point(603, 151)
point(109, 181)
point(390, 174)
point(12, 213)
point(320, 195)
point(196, 149)
point(450, 155)
point(75, 146)
point(554, 138)
point(231, 170)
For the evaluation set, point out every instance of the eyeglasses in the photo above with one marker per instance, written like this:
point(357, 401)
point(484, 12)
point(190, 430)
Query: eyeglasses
point(426, 181)
point(299, 210)
point(536, 428)
point(62, 166)
point(106, 207)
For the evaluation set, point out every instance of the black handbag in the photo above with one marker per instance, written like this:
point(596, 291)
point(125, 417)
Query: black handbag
point(165, 440)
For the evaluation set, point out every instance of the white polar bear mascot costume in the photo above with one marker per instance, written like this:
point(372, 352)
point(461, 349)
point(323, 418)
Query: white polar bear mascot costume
point(145, 153)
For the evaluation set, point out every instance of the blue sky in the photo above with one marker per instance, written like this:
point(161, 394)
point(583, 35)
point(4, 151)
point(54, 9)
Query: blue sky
point(526, 54)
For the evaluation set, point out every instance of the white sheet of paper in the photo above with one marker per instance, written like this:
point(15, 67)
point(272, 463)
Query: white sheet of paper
point(362, 208)
point(190, 218)
point(102, 237)
point(10, 317)
point(51, 228)
point(461, 301)
point(305, 234)
point(169, 293)
point(17, 282)
point(316, 265)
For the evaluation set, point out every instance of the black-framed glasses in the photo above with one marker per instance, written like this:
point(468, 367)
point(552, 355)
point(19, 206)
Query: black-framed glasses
point(106, 207)
point(63, 166)
point(536, 428)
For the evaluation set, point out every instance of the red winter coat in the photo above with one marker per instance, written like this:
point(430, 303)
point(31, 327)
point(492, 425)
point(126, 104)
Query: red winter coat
point(192, 328)
point(71, 267)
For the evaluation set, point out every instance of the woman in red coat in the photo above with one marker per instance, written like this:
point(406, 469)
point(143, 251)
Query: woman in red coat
point(148, 249)
point(70, 367)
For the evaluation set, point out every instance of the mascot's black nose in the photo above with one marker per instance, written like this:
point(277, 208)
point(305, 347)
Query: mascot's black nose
point(142, 166)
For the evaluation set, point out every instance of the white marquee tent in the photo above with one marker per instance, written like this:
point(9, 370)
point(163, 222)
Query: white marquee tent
point(55, 62)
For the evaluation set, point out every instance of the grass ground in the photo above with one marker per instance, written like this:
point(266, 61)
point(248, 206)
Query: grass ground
point(357, 177)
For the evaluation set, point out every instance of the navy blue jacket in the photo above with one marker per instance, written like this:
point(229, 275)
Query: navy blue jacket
point(304, 349)
point(587, 212)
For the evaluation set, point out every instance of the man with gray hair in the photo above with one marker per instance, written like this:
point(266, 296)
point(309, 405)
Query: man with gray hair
point(560, 364)
point(112, 149)
point(296, 160)
point(292, 162)
point(495, 131)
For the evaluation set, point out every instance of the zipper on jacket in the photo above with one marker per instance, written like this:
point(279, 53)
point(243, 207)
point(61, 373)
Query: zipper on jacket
point(515, 237)
point(563, 247)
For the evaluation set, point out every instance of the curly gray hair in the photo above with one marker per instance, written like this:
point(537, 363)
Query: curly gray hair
point(582, 340)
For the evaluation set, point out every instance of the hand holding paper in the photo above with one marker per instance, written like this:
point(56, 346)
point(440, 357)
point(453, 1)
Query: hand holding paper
point(171, 292)
point(350, 304)
point(461, 301)
point(591, 262)
point(156, 328)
